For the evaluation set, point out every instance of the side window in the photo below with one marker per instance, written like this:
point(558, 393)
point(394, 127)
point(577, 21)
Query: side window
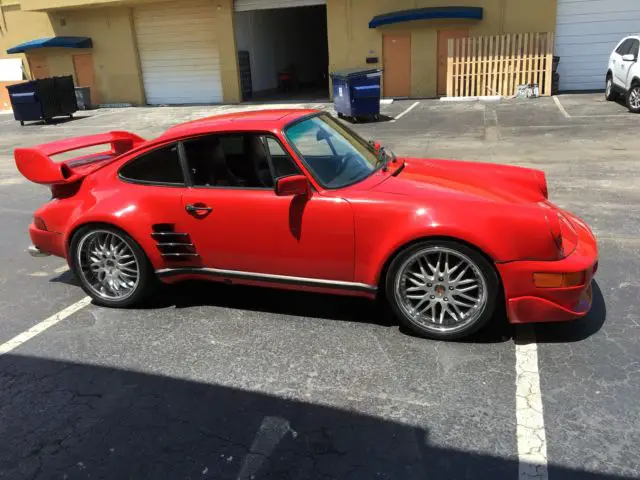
point(237, 161)
point(625, 47)
point(635, 47)
point(161, 166)
point(283, 164)
point(232, 144)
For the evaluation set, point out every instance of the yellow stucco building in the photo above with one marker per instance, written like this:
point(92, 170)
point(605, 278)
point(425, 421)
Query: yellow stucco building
point(186, 51)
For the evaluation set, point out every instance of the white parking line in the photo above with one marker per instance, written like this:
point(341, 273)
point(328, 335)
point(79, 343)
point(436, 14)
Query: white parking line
point(532, 439)
point(561, 107)
point(405, 112)
point(12, 181)
point(18, 340)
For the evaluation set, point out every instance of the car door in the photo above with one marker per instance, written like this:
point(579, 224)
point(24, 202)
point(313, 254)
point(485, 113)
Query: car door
point(619, 66)
point(626, 66)
point(242, 226)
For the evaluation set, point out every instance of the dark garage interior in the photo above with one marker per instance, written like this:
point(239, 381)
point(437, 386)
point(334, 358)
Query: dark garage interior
point(287, 51)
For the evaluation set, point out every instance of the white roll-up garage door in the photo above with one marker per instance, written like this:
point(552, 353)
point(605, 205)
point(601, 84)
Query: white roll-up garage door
point(178, 52)
point(246, 5)
point(587, 32)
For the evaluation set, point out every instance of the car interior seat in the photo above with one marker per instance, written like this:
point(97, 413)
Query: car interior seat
point(221, 174)
point(257, 154)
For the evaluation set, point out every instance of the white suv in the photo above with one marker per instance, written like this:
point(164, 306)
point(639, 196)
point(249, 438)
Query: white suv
point(623, 74)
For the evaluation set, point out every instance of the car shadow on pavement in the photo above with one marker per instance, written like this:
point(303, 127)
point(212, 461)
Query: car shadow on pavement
point(350, 309)
point(577, 330)
point(301, 304)
point(64, 419)
point(268, 300)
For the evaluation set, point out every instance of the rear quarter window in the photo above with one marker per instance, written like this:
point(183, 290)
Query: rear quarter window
point(158, 167)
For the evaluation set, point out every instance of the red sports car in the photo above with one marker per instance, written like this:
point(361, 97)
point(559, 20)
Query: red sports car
point(294, 199)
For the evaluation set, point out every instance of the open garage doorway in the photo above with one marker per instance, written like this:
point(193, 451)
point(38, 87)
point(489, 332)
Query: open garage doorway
point(283, 51)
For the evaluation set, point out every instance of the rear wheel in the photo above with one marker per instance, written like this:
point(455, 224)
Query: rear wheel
point(610, 93)
point(111, 266)
point(442, 289)
point(633, 98)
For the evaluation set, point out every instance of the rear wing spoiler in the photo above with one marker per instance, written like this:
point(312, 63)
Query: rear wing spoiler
point(35, 163)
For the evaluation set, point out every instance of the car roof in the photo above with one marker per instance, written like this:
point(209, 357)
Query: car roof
point(246, 121)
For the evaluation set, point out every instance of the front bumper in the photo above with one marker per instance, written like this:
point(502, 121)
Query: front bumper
point(527, 303)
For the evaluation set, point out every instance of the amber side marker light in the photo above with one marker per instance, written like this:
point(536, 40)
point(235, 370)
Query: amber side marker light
point(558, 280)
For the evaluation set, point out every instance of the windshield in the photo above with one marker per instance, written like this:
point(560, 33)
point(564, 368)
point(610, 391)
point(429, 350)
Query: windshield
point(336, 156)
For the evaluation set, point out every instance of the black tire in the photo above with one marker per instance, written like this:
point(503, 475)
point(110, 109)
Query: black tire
point(480, 317)
point(146, 276)
point(610, 93)
point(632, 104)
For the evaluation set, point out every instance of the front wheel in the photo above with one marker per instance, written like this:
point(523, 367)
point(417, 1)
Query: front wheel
point(442, 289)
point(112, 268)
point(633, 99)
point(610, 94)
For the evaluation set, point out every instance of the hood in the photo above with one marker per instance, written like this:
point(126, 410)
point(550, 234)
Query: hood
point(492, 182)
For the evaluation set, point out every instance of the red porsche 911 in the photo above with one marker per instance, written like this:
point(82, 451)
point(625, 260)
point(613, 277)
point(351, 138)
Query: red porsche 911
point(294, 199)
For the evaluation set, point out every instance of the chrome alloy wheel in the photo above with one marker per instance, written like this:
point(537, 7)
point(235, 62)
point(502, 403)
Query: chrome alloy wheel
point(441, 289)
point(609, 88)
point(634, 98)
point(108, 265)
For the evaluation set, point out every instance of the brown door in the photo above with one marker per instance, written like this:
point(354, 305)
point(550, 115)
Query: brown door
point(443, 54)
point(396, 55)
point(38, 66)
point(85, 74)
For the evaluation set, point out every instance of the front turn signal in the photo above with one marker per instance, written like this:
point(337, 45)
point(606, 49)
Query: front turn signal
point(559, 280)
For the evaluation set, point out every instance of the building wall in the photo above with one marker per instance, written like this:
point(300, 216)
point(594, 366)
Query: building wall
point(351, 40)
point(20, 26)
point(115, 58)
point(228, 52)
point(117, 67)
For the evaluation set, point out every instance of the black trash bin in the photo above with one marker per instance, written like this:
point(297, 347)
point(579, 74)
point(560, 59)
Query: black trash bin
point(43, 99)
point(356, 93)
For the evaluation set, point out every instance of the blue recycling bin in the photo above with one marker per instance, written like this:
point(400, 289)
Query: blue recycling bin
point(356, 93)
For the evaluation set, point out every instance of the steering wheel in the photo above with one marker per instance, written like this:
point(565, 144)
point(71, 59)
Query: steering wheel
point(344, 161)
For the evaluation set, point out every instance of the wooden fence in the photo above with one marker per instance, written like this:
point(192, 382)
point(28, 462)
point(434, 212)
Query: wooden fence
point(479, 66)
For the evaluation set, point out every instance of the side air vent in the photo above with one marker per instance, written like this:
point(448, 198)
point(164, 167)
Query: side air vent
point(174, 246)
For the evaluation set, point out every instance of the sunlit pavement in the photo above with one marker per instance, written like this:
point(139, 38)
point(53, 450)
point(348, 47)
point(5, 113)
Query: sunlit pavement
point(210, 381)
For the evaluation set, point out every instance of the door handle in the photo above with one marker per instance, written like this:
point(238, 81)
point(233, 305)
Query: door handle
point(198, 208)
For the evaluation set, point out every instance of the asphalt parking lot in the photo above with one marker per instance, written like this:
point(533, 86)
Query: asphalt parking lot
point(215, 382)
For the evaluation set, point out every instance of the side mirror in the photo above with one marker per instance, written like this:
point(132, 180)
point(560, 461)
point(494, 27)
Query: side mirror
point(292, 185)
point(629, 57)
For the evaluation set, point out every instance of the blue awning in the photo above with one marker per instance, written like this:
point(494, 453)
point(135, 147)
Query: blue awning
point(430, 13)
point(64, 42)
